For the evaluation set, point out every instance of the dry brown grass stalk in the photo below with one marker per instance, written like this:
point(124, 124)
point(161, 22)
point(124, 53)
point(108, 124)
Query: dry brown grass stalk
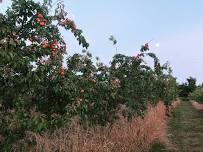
point(137, 135)
point(197, 105)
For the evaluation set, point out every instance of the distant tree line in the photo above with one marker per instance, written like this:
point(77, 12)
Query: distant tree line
point(188, 87)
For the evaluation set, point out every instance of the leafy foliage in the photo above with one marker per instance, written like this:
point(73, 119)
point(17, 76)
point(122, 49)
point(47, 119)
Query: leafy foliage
point(197, 95)
point(186, 88)
point(113, 40)
point(37, 93)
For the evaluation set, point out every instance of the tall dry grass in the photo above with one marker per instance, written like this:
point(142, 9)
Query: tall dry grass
point(137, 135)
point(175, 104)
point(197, 105)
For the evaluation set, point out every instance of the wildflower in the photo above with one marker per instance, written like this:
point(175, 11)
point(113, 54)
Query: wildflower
point(42, 23)
point(40, 19)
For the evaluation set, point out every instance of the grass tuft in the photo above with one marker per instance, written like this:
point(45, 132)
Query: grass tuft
point(137, 135)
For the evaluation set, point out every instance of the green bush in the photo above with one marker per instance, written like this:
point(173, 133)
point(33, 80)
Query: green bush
point(186, 88)
point(37, 93)
point(197, 95)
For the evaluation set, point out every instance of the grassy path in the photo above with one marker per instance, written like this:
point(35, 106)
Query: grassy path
point(186, 128)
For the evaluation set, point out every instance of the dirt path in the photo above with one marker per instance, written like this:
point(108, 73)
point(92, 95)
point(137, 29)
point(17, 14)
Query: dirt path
point(186, 128)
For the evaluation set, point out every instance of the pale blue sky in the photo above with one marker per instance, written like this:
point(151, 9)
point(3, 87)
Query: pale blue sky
point(176, 24)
